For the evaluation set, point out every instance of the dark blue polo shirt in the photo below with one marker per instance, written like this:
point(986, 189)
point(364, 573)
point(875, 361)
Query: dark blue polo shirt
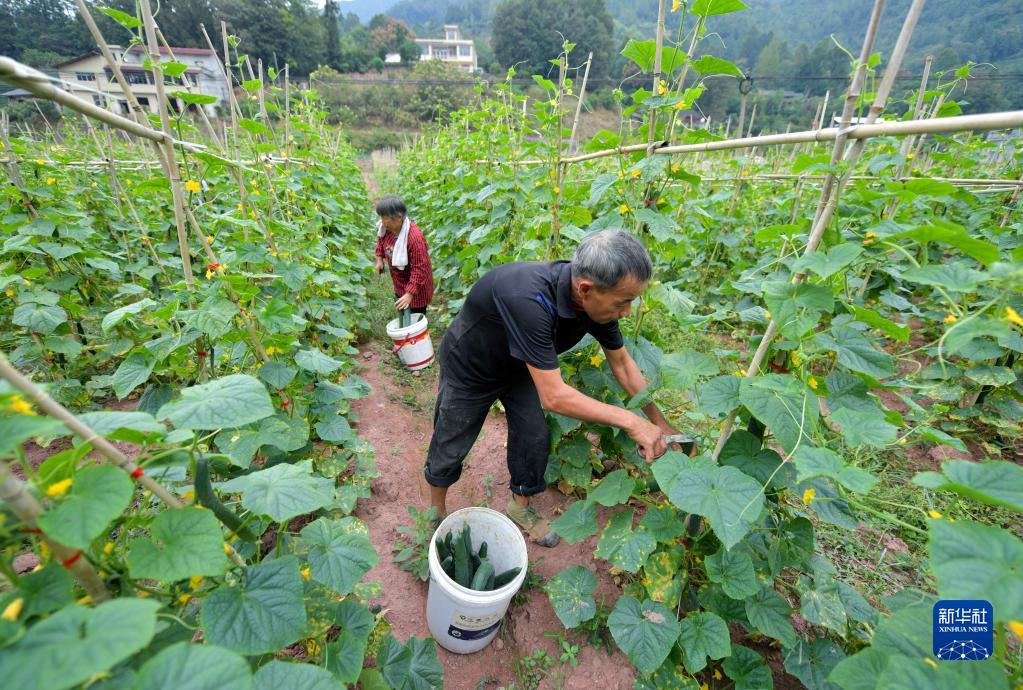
point(517, 314)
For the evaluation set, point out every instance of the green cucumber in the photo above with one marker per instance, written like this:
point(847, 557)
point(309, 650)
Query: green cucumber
point(442, 550)
point(463, 574)
point(482, 576)
point(490, 582)
point(506, 577)
point(205, 495)
point(483, 550)
point(476, 560)
point(448, 566)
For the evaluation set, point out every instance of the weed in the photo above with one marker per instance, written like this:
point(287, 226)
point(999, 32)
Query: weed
point(412, 548)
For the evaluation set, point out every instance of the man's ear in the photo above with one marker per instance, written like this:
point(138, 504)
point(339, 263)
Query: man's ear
point(586, 287)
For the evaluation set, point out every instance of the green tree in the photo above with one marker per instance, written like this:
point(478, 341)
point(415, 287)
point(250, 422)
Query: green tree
point(532, 32)
point(331, 35)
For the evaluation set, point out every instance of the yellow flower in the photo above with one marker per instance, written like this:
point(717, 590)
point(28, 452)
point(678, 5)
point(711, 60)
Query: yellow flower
point(623, 209)
point(808, 496)
point(221, 268)
point(209, 239)
point(675, 5)
point(209, 274)
point(185, 598)
point(703, 686)
point(596, 360)
point(240, 207)
point(306, 574)
point(143, 594)
point(10, 292)
point(51, 180)
point(661, 201)
point(1017, 628)
point(813, 383)
point(931, 662)
point(108, 547)
point(87, 599)
point(557, 190)
point(675, 168)
point(934, 514)
point(796, 359)
point(270, 351)
point(717, 674)
point(635, 174)
point(680, 105)
point(195, 582)
point(13, 610)
point(1013, 316)
point(58, 489)
point(621, 175)
point(871, 235)
point(227, 549)
point(192, 186)
point(21, 406)
point(662, 88)
point(767, 314)
point(951, 318)
point(909, 156)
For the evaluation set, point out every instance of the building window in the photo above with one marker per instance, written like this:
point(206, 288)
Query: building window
point(465, 51)
point(144, 102)
point(97, 100)
point(442, 53)
point(452, 36)
point(139, 77)
point(85, 76)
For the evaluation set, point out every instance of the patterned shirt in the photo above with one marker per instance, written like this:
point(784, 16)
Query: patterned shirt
point(417, 278)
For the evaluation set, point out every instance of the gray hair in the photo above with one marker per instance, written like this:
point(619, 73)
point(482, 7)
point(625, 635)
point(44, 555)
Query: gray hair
point(391, 206)
point(608, 256)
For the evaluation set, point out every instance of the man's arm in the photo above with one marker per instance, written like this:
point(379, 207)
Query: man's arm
point(629, 377)
point(557, 396)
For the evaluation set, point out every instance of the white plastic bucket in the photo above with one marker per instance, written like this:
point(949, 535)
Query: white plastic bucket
point(463, 620)
point(412, 343)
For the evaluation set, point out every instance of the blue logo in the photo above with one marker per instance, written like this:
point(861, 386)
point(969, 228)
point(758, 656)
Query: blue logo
point(963, 629)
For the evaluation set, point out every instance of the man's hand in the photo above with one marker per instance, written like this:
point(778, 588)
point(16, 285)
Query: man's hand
point(649, 437)
point(380, 265)
point(404, 301)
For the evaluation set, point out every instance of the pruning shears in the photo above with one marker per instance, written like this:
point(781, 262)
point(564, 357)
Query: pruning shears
point(687, 443)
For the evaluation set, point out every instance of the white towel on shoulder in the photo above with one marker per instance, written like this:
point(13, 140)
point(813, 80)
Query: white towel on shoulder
point(399, 255)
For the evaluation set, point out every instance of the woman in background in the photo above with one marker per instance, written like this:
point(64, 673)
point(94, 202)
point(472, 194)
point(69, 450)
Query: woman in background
point(401, 243)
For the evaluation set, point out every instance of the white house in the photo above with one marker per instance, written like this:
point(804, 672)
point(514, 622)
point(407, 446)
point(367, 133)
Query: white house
point(88, 77)
point(452, 49)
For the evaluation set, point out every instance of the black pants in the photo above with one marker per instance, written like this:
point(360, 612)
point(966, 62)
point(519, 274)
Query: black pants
point(458, 417)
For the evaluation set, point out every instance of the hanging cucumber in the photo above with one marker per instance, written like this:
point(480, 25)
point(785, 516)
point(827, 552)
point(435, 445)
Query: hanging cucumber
point(482, 576)
point(506, 577)
point(206, 496)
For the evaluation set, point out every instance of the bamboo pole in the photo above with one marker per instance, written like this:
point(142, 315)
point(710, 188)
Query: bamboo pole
point(659, 43)
point(579, 104)
point(171, 163)
point(826, 207)
point(188, 89)
point(28, 510)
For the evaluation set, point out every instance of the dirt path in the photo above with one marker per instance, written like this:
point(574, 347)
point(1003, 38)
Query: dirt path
point(401, 436)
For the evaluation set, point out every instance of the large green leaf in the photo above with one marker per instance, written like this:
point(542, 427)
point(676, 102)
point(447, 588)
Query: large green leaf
point(613, 490)
point(998, 482)
point(706, 8)
point(43, 591)
point(719, 396)
point(708, 64)
point(343, 657)
point(864, 428)
point(643, 52)
point(98, 496)
point(974, 561)
point(703, 634)
point(953, 276)
point(67, 648)
point(412, 666)
point(39, 318)
point(277, 374)
point(955, 235)
point(315, 361)
point(262, 613)
point(571, 594)
point(796, 309)
point(681, 370)
point(279, 431)
point(339, 552)
point(623, 546)
point(183, 543)
point(827, 263)
point(133, 372)
point(196, 667)
point(733, 570)
point(278, 675)
point(748, 669)
point(729, 499)
point(18, 428)
point(118, 315)
point(663, 522)
point(577, 523)
point(283, 491)
point(224, 403)
point(811, 662)
point(645, 631)
point(784, 404)
point(214, 317)
point(771, 615)
point(746, 453)
point(134, 427)
point(821, 602)
point(856, 352)
point(822, 462)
